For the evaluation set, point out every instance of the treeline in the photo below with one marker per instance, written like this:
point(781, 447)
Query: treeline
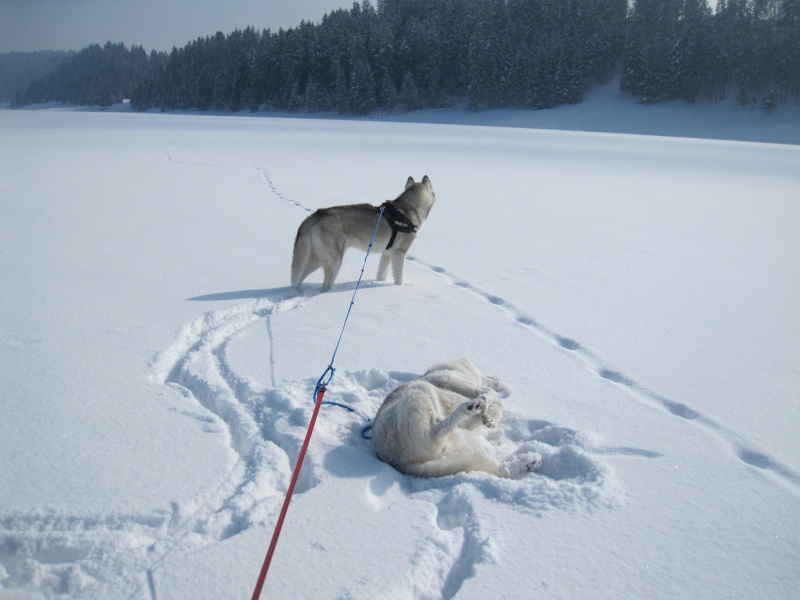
point(416, 54)
point(95, 76)
point(19, 69)
point(676, 49)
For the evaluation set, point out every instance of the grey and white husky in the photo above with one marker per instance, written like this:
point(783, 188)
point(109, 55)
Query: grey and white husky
point(325, 235)
point(435, 425)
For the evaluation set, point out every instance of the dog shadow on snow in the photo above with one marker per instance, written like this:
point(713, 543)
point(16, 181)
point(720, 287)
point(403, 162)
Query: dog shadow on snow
point(273, 294)
point(283, 293)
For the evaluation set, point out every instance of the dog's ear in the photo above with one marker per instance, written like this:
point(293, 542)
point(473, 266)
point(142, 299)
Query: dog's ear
point(409, 182)
point(427, 181)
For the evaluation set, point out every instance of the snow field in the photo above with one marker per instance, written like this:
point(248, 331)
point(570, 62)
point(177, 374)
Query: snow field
point(638, 296)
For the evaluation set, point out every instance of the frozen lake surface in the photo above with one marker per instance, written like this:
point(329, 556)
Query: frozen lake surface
point(638, 294)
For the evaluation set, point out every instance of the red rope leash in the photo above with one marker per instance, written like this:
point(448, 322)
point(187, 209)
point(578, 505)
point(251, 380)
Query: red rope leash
point(319, 392)
point(265, 567)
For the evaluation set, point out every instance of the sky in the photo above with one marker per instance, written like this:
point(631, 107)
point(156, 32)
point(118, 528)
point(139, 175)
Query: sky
point(28, 25)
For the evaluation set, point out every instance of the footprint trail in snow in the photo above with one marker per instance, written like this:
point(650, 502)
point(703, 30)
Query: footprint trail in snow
point(731, 441)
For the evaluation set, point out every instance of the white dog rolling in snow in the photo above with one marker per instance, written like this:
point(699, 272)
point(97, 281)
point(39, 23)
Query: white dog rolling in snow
point(434, 426)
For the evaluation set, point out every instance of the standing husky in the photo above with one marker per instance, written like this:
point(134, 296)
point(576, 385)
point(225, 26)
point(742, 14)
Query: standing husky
point(434, 426)
point(324, 236)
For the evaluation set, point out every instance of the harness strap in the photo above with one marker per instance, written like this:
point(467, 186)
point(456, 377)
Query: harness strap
point(397, 221)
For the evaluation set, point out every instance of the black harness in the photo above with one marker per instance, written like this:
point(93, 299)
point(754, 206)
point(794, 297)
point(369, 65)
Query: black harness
point(397, 221)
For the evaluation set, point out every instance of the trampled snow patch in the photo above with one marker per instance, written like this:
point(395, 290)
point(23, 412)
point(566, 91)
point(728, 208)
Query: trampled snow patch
point(570, 478)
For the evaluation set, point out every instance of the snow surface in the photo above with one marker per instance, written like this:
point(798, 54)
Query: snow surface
point(638, 294)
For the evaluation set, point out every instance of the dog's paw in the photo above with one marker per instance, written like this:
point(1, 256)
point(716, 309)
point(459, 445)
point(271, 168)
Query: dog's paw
point(475, 407)
point(491, 416)
point(489, 396)
point(533, 462)
point(523, 462)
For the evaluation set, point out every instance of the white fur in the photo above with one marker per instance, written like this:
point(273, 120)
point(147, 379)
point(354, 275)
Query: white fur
point(434, 426)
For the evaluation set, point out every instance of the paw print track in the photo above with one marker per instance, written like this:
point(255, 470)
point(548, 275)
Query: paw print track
point(733, 443)
point(567, 343)
point(267, 179)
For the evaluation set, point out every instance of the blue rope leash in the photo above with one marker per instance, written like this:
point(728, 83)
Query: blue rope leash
point(327, 376)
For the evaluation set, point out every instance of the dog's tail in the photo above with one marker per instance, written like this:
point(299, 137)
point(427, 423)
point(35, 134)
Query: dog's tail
point(302, 252)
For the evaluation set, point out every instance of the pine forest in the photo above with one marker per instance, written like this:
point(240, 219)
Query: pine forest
point(414, 54)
